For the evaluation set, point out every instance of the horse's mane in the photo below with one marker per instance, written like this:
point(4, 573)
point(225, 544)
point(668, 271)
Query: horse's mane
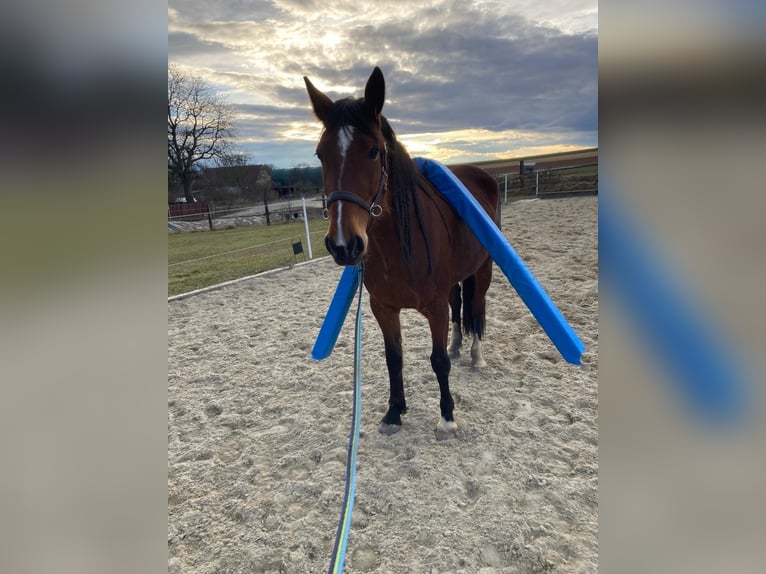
point(405, 183)
point(405, 180)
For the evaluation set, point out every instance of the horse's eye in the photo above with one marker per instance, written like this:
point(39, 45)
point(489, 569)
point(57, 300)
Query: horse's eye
point(374, 152)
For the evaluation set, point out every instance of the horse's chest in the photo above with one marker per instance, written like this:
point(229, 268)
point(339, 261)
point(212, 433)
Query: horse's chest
point(391, 285)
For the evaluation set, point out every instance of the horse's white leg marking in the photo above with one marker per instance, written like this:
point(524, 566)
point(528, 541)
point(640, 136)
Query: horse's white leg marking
point(445, 429)
point(345, 137)
point(477, 359)
point(456, 341)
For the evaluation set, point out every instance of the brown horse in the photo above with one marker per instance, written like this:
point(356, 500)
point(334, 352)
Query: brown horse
point(415, 249)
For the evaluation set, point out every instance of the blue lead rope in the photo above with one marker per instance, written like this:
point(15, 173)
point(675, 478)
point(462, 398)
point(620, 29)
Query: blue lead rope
point(344, 524)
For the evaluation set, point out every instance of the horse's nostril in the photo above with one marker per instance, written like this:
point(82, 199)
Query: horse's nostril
point(345, 254)
point(355, 247)
point(338, 252)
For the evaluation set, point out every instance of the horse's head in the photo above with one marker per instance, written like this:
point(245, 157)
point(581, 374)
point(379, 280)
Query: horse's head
point(352, 150)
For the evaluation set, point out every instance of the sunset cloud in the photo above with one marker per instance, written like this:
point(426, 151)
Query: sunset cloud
point(465, 80)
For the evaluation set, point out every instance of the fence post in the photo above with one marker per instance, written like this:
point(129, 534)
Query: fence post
point(306, 222)
point(537, 183)
point(209, 217)
point(506, 189)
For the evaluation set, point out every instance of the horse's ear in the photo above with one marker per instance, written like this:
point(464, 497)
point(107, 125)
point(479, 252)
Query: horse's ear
point(320, 102)
point(375, 92)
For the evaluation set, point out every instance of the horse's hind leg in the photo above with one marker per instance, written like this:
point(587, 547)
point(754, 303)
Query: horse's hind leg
point(438, 320)
point(478, 305)
point(388, 319)
point(456, 340)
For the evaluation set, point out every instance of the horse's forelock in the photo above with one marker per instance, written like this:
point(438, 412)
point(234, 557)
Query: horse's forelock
point(351, 112)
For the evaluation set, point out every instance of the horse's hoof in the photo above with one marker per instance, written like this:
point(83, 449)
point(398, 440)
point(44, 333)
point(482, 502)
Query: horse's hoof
point(478, 364)
point(387, 429)
point(454, 353)
point(446, 430)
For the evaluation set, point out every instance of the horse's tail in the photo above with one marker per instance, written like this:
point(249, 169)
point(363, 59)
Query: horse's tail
point(473, 322)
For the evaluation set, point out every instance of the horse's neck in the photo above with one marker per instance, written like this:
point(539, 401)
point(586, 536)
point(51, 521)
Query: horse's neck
point(383, 234)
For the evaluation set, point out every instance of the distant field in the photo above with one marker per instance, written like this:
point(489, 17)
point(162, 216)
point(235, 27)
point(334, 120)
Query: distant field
point(196, 259)
point(583, 170)
point(202, 258)
point(542, 162)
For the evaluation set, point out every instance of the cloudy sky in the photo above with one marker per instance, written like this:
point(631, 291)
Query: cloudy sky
point(466, 80)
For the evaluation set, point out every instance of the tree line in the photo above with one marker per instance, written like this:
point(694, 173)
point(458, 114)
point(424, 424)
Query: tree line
point(204, 164)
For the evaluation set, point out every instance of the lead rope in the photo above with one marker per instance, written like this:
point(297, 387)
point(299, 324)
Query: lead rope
point(344, 524)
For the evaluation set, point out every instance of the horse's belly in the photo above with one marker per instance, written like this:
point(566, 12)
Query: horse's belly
point(467, 255)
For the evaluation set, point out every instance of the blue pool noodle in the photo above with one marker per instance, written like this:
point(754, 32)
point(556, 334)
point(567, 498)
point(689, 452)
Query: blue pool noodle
point(534, 296)
point(336, 313)
point(704, 365)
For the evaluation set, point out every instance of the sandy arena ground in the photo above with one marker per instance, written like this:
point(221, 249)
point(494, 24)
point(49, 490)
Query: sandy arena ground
point(258, 431)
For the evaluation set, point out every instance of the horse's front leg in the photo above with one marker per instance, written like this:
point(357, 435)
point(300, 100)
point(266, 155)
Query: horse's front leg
point(388, 319)
point(438, 320)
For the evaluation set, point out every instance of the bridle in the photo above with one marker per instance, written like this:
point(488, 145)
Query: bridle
point(373, 208)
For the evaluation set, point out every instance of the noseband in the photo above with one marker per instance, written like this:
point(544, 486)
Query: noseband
point(373, 208)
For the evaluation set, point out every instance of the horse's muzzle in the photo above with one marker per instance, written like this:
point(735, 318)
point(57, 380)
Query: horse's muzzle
point(349, 253)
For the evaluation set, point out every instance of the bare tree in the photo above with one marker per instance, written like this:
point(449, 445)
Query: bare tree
point(199, 126)
point(236, 180)
point(252, 180)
